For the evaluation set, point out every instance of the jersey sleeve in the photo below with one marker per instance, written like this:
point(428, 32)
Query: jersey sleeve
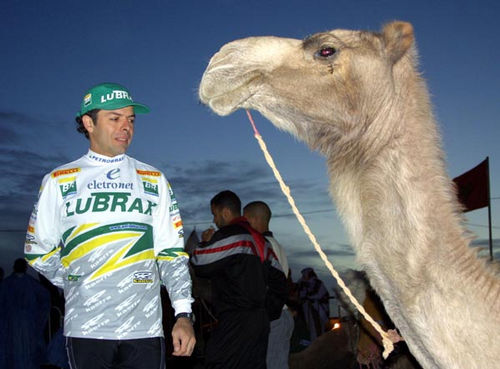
point(42, 245)
point(169, 249)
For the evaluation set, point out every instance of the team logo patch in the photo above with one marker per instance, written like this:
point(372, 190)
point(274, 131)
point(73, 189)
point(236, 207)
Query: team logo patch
point(67, 188)
point(150, 188)
point(87, 100)
point(143, 277)
point(113, 173)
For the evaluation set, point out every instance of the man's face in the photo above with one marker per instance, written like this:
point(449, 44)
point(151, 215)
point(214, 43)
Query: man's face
point(112, 134)
point(217, 212)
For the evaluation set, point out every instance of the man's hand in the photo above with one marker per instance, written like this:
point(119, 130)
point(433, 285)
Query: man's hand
point(207, 234)
point(183, 337)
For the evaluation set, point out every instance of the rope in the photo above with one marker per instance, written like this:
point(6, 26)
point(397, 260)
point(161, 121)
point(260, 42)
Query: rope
point(386, 340)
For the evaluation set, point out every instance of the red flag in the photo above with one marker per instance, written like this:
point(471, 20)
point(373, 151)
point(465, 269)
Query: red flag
point(472, 187)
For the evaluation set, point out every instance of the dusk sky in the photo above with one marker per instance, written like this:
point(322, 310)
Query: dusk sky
point(52, 51)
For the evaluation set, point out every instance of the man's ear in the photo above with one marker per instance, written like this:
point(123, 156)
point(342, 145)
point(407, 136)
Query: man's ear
point(88, 123)
point(227, 215)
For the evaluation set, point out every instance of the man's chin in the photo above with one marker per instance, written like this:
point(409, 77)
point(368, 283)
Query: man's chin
point(122, 149)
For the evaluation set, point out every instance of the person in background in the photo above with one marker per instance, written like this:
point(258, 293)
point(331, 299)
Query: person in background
point(106, 228)
point(315, 302)
point(259, 214)
point(24, 311)
point(248, 286)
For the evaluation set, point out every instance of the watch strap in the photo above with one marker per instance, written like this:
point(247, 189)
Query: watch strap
point(190, 316)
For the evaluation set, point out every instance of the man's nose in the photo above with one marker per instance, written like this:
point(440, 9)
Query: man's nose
point(126, 125)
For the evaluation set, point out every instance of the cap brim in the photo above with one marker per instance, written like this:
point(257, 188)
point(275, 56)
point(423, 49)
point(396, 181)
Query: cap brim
point(140, 108)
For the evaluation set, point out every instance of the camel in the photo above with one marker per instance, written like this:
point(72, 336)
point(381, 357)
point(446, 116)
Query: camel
point(357, 97)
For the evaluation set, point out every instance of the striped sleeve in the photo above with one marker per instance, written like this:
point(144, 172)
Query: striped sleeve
point(169, 247)
point(42, 245)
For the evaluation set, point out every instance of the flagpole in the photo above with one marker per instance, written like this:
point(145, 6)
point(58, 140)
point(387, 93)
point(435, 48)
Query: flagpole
point(489, 207)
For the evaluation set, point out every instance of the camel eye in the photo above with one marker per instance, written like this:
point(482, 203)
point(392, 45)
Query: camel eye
point(326, 52)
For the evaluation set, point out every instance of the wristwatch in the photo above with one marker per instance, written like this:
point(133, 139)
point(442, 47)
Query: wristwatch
point(190, 316)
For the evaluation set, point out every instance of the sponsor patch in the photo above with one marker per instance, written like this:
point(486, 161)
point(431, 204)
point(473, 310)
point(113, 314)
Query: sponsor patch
point(116, 94)
point(73, 277)
point(150, 173)
point(30, 239)
point(178, 224)
point(143, 277)
point(150, 188)
point(109, 201)
point(64, 172)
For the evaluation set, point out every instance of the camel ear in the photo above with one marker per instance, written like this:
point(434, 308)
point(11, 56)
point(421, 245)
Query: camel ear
point(398, 37)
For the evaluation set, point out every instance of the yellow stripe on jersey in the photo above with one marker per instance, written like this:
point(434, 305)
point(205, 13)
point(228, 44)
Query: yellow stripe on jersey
point(79, 230)
point(150, 180)
point(117, 262)
point(170, 258)
point(66, 179)
point(46, 256)
point(86, 247)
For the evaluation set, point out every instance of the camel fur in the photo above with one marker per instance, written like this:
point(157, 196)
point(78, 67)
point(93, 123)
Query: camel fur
point(358, 98)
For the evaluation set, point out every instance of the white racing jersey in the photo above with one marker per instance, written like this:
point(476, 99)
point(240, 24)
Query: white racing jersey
point(108, 231)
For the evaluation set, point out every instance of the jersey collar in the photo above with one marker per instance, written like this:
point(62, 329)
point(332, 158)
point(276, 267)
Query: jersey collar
point(102, 159)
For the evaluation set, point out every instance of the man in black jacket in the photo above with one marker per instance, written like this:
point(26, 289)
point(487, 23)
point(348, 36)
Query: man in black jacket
point(248, 286)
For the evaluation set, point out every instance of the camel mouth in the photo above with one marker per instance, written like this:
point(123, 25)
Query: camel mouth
point(234, 95)
point(219, 105)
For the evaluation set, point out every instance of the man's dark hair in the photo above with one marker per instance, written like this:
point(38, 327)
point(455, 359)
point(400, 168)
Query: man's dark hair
point(79, 122)
point(227, 199)
point(20, 266)
point(258, 208)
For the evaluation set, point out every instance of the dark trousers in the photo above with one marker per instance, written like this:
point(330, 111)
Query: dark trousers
point(239, 341)
point(88, 353)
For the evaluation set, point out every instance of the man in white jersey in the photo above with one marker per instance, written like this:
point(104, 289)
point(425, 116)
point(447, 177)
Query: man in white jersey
point(106, 228)
point(258, 215)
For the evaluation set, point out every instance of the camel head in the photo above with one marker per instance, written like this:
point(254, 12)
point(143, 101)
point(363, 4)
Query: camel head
point(329, 89)
point(357, 98)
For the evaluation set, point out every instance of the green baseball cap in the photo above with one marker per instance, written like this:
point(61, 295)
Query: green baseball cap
point(109, 96)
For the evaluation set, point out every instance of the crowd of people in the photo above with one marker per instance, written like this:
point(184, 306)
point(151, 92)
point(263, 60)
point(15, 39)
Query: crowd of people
point(106, 230)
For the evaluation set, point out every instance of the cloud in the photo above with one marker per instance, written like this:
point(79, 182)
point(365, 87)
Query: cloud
point(332, 249)
point(23, 163)
point(197, 182)
point(15, 126)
